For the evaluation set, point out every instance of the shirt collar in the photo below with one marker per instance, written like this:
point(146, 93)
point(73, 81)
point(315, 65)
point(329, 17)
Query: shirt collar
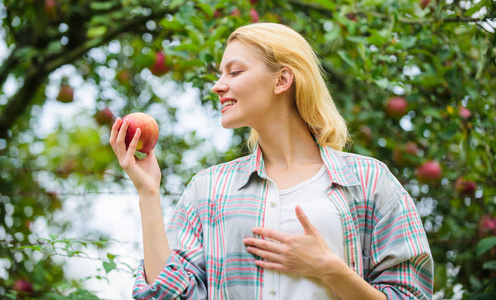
point(337, 168)
point(255, 164)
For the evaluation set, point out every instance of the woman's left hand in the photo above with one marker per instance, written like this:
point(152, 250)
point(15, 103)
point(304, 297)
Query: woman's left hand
point(307, 254)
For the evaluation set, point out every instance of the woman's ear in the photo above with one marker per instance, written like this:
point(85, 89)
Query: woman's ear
point(284, 81)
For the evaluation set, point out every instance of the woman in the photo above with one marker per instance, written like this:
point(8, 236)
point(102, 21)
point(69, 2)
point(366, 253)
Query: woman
point(296, 219)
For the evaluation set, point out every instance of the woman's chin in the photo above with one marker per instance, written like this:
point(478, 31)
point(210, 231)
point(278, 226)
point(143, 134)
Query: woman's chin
point(227, 124)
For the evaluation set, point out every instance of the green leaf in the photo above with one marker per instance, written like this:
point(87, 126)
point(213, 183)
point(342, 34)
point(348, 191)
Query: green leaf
point(477, 7)
point(489, 265)
point(10, 296)
point(382, 83)
point(95, 5)
point(357, 39)
point(347, 58)
point(324, 3)
point(109, 266)
point(97, 31)
point(408, 41)
point(485, 245)
point(53, 237)
point(33, 247)
point(431, 111)
point(206, 9)
point(218, 32)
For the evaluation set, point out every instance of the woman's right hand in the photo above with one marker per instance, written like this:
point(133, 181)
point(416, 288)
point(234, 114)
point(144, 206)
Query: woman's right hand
point(144, 173)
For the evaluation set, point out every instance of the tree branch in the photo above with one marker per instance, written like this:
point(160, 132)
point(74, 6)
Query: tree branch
point(10, 62)
point(425, 21)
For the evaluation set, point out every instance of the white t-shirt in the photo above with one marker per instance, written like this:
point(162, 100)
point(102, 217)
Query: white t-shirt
point(322, 213)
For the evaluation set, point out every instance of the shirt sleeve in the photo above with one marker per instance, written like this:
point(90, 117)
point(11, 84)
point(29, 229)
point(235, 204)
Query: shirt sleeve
point(401, 264)
point(183, 276)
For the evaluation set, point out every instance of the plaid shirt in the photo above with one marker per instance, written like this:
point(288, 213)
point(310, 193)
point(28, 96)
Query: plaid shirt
point(384, 239)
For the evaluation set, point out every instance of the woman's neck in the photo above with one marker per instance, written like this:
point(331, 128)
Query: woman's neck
point(288, 143)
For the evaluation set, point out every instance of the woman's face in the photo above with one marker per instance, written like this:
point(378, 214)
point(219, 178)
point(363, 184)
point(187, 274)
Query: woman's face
point(245, 88)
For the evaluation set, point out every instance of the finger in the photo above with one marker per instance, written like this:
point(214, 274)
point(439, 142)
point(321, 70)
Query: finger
point(272, 234)
point(114, 131)
point(121, 136)
point(267, 255)
point(134, 143)
point(264, 245)
point(304, 221)
point(271, 266)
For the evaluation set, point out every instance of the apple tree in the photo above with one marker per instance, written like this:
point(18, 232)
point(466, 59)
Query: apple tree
point(414, 80)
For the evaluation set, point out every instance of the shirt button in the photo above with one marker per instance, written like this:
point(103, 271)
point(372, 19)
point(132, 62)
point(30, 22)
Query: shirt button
point(272, 290)
point(273, 204)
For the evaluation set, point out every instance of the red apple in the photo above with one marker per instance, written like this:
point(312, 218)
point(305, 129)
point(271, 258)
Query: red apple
point(149, 131)
point(424, 3)
point(396, 107)
point(429, 172)
point(51, 8)
point(365, 134)
point(465, 187)
point(254, 15)
point(399, 152)
point(487, 224)
point(464, 113)
point(104, 117)
point(253, 2)
point(217, 14)
point(159, 67)
point(123, 76)
point(411, 148)
point(236, 13)
point(66, 93)
point(351, 16)
point(23, 286)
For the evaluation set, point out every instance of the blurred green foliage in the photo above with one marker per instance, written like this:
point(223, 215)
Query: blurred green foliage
point(437, 55)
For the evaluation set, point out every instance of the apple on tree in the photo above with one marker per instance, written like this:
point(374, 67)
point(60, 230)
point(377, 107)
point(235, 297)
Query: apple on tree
point(401, 154)
point(104, 117)
point(487, 224)
point(465, 187)
point(254, 15)
point(236, 13)
point(464, 113)
point(51, 8)
point(430, 172)
point(149, 131)
point(351, 16)
point(396, 107)
point(66, 93)
point(160, 66)
point(22, 286)
point(123, 76)
point(424, 3)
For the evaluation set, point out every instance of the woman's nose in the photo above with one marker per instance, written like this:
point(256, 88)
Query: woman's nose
point(220, 87)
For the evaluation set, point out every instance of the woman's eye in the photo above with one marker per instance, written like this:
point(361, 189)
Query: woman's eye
point(234, 73)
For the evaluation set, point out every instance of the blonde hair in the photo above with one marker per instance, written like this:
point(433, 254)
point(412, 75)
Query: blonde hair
point(280, 46)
